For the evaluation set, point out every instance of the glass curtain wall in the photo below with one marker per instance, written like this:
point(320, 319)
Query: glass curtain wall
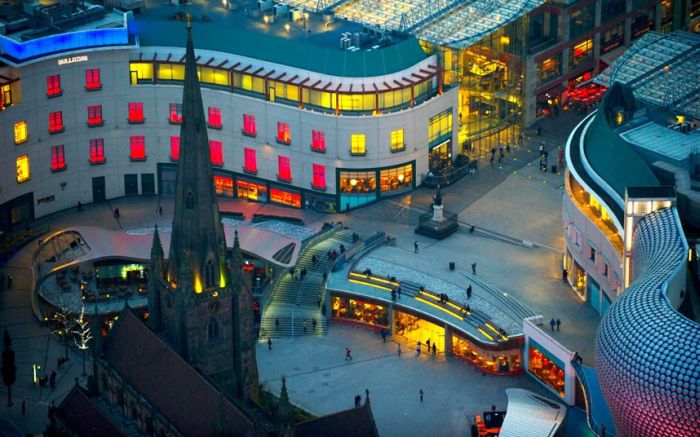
point(490, 76)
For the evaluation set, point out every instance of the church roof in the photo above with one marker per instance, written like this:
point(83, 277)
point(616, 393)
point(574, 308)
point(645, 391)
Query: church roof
point(175, 389)
point(355, 422)
point(84, 418)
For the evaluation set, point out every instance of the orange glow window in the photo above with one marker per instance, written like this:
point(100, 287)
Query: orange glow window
point(23, 170)
point(283, 133)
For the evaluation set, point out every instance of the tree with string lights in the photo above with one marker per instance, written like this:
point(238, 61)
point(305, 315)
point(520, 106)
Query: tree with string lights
point(82, 334)
point(63, 322)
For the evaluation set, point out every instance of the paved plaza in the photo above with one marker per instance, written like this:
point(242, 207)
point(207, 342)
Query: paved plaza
point(513, 199)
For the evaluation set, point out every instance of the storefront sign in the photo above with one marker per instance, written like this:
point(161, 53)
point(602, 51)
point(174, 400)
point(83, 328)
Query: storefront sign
point(47, 199)
point(72, 60)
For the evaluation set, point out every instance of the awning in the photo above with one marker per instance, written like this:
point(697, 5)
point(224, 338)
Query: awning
point(531, 415)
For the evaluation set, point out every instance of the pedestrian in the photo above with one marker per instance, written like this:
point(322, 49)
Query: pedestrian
point(508, 148)
point(160, 210)
point(434, 350)
point(493, 153)
point(24, 407)
point(541, 148)
point(348, 353)
point(52, 379)
point(80, 206)
point(469, 291)
point(393, 294)
point(269, 343)
point(358, 400)
point(421, 395)
point(398, 350)
point(59, 363)
point(277, 323)
point(474, 269)
point(418, 349)
point(304, 326)
point(415, 246)
point(552, 323)
point(501, 153)
point(398, 291)
point(428, 343)
point(314, 323)
point(383, 335)
point(558, 324)
point(347, 207)
point(116, 213)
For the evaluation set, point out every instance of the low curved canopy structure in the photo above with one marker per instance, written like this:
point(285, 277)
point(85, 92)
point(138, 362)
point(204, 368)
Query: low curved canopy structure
point(531, 415)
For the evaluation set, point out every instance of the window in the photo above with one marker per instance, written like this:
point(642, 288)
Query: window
point(209, 275)
point(439, 127)
point(357, 144)
point(582, 21)
point(216, 153)
point(138, 148)
point(97, 151)
point(140, 72)
point(21, 132)
point(58, 161)
point(358, 181)
point(214, 117)
point(285, 169)
point(548, 69)
point(397, 178)
point(92, 79)
point(53, 86)
point(605, 270)
point(581, 53)
point(136, 112)
point(23, 171)
point(250, 164)
point(397, 143)
point(213, 329)
point(55, 122)
point(174, 148)
point(319, 177)
point(318, 141)
point(175, 113)
point(223, 185)
point(283, 133)
point(591, 257)
point(189, 200)
point(95, 115)
point(249, 125)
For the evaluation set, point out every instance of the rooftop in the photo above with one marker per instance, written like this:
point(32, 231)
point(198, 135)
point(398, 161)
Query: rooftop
point(662, 70)
point(663, 140)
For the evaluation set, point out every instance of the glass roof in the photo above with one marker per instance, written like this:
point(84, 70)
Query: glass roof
point(663, 70)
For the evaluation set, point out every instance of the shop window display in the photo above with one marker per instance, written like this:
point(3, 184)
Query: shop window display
point(396, 179)
point(251, 190)
point(360, 311)
point(494, 362)
point(285, 197)
point(546, 370)
point(223, 185)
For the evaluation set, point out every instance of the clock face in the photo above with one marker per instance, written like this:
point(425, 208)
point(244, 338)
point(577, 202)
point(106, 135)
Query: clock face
point(214, 307)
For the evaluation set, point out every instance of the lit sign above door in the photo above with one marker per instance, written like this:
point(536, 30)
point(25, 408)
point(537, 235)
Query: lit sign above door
point(72, 60)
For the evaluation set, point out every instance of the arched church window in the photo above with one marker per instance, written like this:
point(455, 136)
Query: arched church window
point(209, 275)
point(213, 329)
point(189, 200)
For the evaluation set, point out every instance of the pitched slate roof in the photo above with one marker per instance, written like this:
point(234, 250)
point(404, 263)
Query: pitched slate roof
point(183, 396)
point(84, 418)
point(355, 422)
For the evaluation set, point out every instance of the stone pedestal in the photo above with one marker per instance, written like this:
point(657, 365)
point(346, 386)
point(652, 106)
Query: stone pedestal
point(437, 213)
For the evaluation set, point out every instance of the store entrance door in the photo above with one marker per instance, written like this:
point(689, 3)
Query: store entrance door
point(98, 189)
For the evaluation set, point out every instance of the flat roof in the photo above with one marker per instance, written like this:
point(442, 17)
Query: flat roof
point(664, 140)
point(311, 44)
point(661, 69)
point(651, 192)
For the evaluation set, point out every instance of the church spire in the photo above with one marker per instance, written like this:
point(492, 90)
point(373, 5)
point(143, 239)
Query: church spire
point(156, 267)
point(197, 228)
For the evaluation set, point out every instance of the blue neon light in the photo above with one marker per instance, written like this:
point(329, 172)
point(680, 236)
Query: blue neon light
point(22, 51)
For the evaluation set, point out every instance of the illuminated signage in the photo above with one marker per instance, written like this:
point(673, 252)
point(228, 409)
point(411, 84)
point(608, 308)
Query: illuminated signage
point(72, 60)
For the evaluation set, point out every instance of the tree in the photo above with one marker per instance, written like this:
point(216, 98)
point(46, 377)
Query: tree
point(9, 369)
point(82, 334)
point(64, 321)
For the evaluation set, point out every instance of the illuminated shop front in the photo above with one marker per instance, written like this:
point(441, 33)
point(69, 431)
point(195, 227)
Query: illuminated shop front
point(285, 196)
point(346, 308)
point(546, 368)
point(415, 329)
point(578, 279)
point(223, 185)
point(502, 362)
point(359, 187)
point(251, 190)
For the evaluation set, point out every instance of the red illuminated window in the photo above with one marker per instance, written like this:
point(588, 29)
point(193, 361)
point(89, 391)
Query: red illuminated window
point(285, 169)
point(55, 122)
point(175, 113)
point(283, 133)
point(97, 151)
point(249, 125)
point(216, 152)
point(174, 148)
point(250, 164)
point(58, 161)
point(318, 141)
point(138, 148)
point(92, 79)
point(135, 112)
point(214, 117)
point(95, 115)
point(319, 180)
point(53, 86)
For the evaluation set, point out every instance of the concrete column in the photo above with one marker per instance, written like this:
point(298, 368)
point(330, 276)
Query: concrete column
point(390, 317)
point(448, 341)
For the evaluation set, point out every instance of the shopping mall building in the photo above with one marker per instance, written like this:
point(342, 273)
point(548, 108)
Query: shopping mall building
point(325, 106)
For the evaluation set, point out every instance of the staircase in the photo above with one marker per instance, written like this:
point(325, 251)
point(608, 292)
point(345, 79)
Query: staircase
point(295, 305)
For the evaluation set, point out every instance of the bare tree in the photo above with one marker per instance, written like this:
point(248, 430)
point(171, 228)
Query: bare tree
point(63, 323)
point(82, 334)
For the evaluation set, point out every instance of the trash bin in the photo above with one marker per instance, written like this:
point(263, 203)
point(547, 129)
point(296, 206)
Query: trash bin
point(554, 168)
point(452, 265)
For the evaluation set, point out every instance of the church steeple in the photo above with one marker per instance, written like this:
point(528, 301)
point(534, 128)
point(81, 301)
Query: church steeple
point(157, 267)
point(197, 232)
